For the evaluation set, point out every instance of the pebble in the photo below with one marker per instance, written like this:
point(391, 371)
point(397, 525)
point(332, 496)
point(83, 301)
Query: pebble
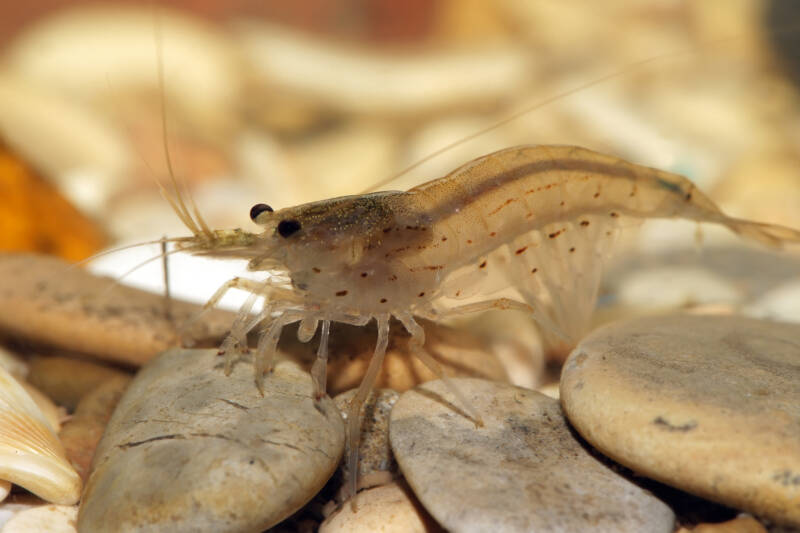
point(83, 430)
point(66, 380)
point(44, 519)
point(16, 503)
point(523, 471)
point(673, 287)
point(376, 464)
point(389, 508)
point(740, 524)
point(49, 301)
point(781, 303)
point(733, 274)
point(189, 449)
point(706, 404)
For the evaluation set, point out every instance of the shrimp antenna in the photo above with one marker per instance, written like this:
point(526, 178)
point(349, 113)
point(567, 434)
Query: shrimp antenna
point(118, 279)
point(542, 103)
point(126, 247)
point(176, 201)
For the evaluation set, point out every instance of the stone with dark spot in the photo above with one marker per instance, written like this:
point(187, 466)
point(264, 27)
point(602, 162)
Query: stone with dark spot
point(523, 471)
point(708, 404)
point(189, 449)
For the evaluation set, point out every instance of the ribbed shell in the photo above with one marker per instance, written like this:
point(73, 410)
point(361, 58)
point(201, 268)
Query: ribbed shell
point(30, 453)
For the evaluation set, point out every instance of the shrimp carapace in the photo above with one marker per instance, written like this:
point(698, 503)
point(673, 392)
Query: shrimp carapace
point(542, 217)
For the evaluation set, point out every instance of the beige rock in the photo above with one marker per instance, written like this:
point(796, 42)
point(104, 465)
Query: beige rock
point(191, 449)
point(389, 508)
point(83, 430)
point(376, 464)
point(743, 273)
point(44, 519)
point(781, 303)
point(49, 301)
point(30, 453)
point(522, 471)
point(706, 404)
point(362, 81)
point(673, 287)
point(5, 488)
point(93, 50)
point(550, 390)
point(66, 380)
point(740, 524)
point(17, 503)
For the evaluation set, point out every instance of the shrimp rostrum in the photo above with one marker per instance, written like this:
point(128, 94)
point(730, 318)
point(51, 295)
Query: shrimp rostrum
point(542, 218)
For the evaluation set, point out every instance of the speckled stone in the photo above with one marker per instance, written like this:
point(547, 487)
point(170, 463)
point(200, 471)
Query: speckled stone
point(376, 464)
point(523, 471)
point(189, 449)
point(49, 301)
point(710, 405)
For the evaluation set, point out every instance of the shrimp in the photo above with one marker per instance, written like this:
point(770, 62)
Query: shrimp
point(543, 217)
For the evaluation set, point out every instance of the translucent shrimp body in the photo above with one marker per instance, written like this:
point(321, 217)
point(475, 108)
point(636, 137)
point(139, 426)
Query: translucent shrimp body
point(542, 218)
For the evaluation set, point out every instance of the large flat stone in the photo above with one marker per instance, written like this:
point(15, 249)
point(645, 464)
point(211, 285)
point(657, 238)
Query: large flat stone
point(189, 449)
point(710, 405)
point(523, 471)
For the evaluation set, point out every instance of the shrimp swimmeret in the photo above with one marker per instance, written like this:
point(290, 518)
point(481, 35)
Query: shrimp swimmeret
point(542, 216)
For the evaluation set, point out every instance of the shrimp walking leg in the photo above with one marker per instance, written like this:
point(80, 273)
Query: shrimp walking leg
point(237, 335)
point(354, 409)
point(320, 366)
point(417, 345)
point(267, 345)
point(249, 285)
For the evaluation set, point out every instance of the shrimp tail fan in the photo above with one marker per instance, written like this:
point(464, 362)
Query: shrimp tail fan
point(770, 235)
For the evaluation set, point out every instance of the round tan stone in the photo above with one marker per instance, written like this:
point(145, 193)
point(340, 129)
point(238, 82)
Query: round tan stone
point(66, 380)
point(523, 471)
point(740, 524)
point(81, 433)
point(710, 405)
point(49, 301)
point(189, 449)
point(389, 508)
point(44, 518)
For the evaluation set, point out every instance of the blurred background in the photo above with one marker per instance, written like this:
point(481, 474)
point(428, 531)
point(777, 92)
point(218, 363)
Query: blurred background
point(284, 103)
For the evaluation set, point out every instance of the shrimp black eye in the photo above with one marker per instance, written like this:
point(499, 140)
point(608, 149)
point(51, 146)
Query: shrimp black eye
point(288, 227)
point(258, 209)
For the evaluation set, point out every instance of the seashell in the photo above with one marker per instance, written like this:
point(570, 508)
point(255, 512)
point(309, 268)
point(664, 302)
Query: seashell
point(30, 453)
point(13, 363)
point(5, 488)
point(52, 413)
